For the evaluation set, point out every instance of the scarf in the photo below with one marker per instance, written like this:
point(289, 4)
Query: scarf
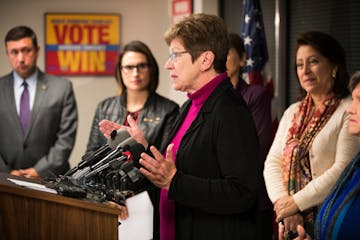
point(306, 124)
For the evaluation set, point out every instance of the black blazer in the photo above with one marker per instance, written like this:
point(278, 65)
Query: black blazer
point(215, 187)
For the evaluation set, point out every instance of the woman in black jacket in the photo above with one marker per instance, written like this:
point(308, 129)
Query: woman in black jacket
point(207, 175)
point(137, 76)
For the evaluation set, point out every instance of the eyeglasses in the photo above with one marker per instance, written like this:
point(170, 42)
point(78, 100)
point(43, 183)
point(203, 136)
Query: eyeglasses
point(173, 56)
point(141, 67)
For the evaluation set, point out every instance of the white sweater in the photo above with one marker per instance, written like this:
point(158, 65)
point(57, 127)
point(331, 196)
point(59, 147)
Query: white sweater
point(332, 149)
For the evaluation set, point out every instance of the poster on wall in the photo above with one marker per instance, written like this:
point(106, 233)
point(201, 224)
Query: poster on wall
point(180, 9)
point(81, 44)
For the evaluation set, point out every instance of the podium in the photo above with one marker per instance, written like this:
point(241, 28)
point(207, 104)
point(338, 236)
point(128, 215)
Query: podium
point(33, 214)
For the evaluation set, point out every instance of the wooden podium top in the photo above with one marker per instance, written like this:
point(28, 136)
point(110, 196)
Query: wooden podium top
point(27, 213)
point(12, 188)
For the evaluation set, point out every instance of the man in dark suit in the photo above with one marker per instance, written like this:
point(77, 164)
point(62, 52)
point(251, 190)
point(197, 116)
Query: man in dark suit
point(38, 113)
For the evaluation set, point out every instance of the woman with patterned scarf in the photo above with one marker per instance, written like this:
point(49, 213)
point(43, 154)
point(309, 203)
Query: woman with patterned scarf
point(312, 145)
point(339, 215)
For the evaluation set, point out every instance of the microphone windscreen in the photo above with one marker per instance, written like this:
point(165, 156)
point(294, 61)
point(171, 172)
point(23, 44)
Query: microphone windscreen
point(127, 144)
point(136, 151)
point(117, 137)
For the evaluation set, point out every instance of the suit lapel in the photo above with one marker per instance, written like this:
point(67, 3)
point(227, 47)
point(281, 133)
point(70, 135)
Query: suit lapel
point(10, 103)
point(41, 89)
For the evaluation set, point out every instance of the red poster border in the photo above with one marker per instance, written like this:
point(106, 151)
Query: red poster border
point(109, 52)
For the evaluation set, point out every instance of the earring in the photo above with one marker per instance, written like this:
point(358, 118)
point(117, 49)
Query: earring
point(333, 75)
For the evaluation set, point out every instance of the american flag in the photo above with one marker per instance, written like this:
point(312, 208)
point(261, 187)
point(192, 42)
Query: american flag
point(253, 34)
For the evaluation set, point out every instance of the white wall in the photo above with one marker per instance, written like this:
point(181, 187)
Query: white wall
point(144, 20)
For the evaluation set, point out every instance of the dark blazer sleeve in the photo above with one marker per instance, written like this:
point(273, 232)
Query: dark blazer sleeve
point(217, 161)
point(57, 158)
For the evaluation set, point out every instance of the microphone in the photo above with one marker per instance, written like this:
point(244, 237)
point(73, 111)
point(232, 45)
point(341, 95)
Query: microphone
point(136, 151)
point(118, 151)
point(114, 176)
point(115, 163)
point(89, 159)
point(129, 174)
point(117, 137)
point(127, 144)
point(101, 156)
point(78, 176)
point(130, 145)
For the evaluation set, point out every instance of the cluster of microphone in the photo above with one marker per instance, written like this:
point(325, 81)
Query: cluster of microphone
point(109, 173)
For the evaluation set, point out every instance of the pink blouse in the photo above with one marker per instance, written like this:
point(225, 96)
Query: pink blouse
point(167, 207)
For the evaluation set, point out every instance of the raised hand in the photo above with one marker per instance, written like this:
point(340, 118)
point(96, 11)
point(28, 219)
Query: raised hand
point(159, 169)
